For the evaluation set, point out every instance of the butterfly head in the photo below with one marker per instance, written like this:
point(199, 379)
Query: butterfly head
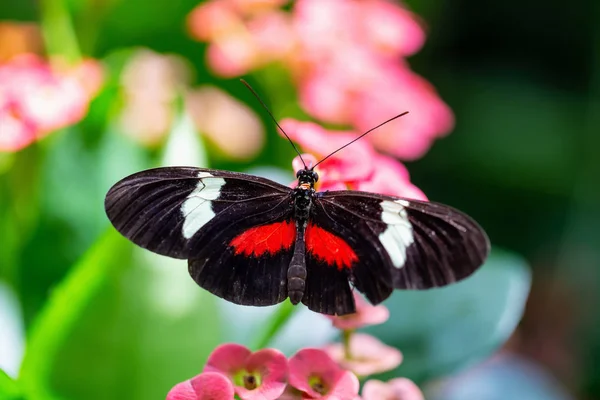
point(307, 178)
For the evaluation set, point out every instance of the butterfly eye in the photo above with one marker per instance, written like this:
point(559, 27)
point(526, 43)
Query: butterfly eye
point(298, 173)
point(315, 176)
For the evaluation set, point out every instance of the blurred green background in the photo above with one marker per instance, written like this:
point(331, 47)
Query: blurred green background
point(523, 80)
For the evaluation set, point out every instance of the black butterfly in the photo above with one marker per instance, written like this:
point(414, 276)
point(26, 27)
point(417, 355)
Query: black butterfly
point(255, 242)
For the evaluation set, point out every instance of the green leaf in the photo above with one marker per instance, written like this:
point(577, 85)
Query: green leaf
point(441, 330)
point(147, 328)
point(9, 389)
point(75, 176)
point(65, 307)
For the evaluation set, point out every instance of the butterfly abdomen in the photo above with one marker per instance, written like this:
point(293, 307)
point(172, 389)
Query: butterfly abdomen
point(296, 274)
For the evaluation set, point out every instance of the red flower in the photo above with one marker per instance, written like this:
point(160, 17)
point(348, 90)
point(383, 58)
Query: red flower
point(396, 389)
point(316, 376)
point(366, 314)
point(255, 376)
point(357, 167)
point(206, 386)
point(366, 355)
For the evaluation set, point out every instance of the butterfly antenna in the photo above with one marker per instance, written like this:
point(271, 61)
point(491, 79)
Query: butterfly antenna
point(274, 120)
point(364, 134)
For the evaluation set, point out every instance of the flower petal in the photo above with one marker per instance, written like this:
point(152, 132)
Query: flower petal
point(396, 389)
point(272, 366)
point(366, 314)
point(182, 391)
point(308, 365)
point(227, 359)
point(369, 355)
point(212, 386)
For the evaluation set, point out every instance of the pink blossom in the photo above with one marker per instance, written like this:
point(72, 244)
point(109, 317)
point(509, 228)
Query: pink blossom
point(36, 99)
point(212, 19)
point(316, 376)
point(376, 24)
point(255, 376)
point(218, 116)
point(151, 83)
point(367, 355)
point(411, 136)
point(206, 386)
point(15, 133)
point(344, 56)
point(396, 389)
point(390, 28)
point(357, 167)
point(239, 43)
point(366, 314)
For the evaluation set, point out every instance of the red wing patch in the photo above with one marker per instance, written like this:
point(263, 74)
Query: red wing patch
point(328, 247)
point(263, 239)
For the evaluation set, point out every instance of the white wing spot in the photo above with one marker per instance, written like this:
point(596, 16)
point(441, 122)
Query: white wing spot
point(197, 207)
point(204, 174)
point(403, 203)
point(398, 235)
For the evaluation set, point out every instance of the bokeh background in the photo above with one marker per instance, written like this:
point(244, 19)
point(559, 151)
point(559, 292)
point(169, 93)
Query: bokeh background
point(97, 319)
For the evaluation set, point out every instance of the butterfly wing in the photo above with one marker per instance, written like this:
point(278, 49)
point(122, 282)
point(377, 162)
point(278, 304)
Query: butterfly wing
point(162, 209)
point(235, 229)
point(398, 243)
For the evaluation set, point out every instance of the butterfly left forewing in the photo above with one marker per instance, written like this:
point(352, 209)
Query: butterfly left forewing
point(162, 209)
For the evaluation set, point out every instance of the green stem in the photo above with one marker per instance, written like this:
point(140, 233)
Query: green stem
point(346, 336)
point(281, 317)
point(57, 29)
point(63, 310)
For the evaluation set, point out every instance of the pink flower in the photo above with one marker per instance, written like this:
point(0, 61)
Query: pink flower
point(345, 57)
point(367, 355)
point(206, 386)
point(316, 376)
point(151, 83)
point(396, 389)
point(366, 314)
point(344, 96)
point(411, 136)
point(255, 376)
point(242, 35)
point(357, 167)
point(380, 26)
point(218, 116)
point(15, 133)
point(36, 99)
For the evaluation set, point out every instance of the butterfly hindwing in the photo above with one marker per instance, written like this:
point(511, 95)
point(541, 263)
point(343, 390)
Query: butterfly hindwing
point(243, 256)
point(425, 244)
point(342, 251)
point(162, 209)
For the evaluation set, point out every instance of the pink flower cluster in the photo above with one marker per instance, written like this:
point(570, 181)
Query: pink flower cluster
point(329, 373)
point(357, 167)
point(36, 99)
point(345, 56)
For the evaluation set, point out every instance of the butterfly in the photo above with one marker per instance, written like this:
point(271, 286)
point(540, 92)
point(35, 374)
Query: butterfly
point(252, 241)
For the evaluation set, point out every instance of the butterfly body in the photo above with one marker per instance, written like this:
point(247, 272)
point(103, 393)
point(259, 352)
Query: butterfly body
point(255, 242)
